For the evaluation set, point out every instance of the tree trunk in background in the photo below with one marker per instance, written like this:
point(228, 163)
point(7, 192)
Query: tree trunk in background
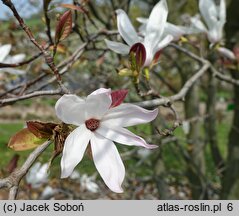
point(211, 122)
point(230, 185)
point(196, 168)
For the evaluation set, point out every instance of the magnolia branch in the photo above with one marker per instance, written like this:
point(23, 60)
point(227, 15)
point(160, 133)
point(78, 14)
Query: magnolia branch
point(180, 95)
point(13, 180)
point(7, 101)
point(48, 58)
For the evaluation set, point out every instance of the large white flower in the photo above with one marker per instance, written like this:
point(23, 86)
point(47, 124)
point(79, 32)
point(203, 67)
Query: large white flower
point(214, 16)
point(153, 41)
point(37, 175)
point(176, 31)
point(100, 120)
point(7, 59)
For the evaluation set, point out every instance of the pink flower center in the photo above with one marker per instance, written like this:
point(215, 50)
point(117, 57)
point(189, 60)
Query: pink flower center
point(92, 124)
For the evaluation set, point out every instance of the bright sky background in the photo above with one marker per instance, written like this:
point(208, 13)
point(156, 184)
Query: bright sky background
point(24, 7)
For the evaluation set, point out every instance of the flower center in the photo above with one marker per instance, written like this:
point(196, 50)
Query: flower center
point(92, 124)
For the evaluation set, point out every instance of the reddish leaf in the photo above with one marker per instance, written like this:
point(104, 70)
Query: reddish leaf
point(64, 27)
point(24, 140)
point(118, 97)
point(140, 53)
point(74, 7)
point(41, 129)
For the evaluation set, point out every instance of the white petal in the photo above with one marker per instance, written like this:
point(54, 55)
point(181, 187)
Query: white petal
point(74, 149)
point(156, 24)
point(15, 59)
point(226, 53)
point(71, 109)
point(142, 20)
point(198, 24)
point(4, 51)
point(123, 136)
point(126, 28)
point(108, 162)
point(97, 105)
point(222, 12)
point(101, 91)
point(163, 43)
point(117, 47)
point(127, 115)
point(13, 71)
point(42, 174)
point(209, 11)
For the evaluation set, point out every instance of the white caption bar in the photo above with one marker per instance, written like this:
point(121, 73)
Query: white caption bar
point(120, 208)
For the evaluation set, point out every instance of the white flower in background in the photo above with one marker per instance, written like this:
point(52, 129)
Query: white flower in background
point(186, 127)
point(37, 175)
point(87, 182)
point(75, 175)
point(7, 59)
point(100, 120)
point(214, 16)
point(176, 31)
point(226, 53)
point(153, 41)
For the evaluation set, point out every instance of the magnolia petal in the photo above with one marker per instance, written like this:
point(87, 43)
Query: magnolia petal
point(4, 51)
point(101, 91)
point(13, 71)
point(142, 20)
point(222, 12)
point(123, 136)
point(117, 47)
point(74, 149)
point(108, 162)
point(126, 28)
point(226, 53)
point(126, 115)
point(163, 43)
point(198, 24)
point(156, 24)
point(215, 34)
point(97, 105)
point(71, 109)
point(208, 10)
point(15, 59)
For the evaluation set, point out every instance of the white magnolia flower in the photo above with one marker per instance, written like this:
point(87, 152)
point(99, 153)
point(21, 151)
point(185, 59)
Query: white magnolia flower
point(153, 41)
point(214, 17)
point(37, 175)
point(87, 182)
point(176, 31)
point(7, 59)
point(100, 120)
point(226, 53)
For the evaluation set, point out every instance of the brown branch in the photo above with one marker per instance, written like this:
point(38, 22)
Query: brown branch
point(8, 101)
point(180, 95)
point(13, 180)
point(48, 58)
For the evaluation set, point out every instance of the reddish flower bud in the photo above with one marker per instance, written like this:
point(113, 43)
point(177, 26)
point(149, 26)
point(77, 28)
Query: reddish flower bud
point(139, 51)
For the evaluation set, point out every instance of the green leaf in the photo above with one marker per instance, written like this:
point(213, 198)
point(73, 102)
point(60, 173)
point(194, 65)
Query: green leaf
point(24, 140)
point(230, 107)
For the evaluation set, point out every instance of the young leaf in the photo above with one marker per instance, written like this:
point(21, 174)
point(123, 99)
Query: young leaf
point(41, 129)
point(74, 7)
point(24, 140)
point(64, 27)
